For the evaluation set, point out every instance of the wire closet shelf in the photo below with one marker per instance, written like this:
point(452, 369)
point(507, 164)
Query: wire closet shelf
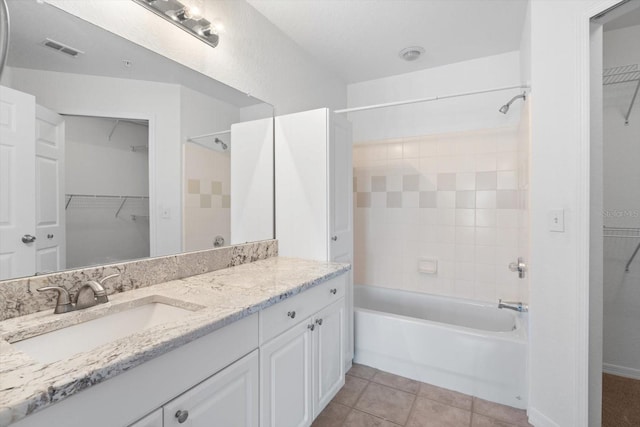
point(623, 74)
point(624, 233)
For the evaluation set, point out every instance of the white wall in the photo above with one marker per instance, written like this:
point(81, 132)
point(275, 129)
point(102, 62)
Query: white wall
point(253, 55)
point(559, 261)
point(621, 209)
point(97, 165)
point(103, 96)
point(448, 115)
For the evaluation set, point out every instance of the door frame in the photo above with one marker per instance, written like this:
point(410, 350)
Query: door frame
point(151, 119)
point(588, 328)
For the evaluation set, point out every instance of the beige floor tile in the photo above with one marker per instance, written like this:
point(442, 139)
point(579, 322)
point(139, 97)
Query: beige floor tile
point(500, 412)
point(396, 381)
point(429, 413)
point(478, 420)
point(360, 419)
point(349, 393)
point(362, 371)
point(386, 402)
point(448, 397)
point(332, 416)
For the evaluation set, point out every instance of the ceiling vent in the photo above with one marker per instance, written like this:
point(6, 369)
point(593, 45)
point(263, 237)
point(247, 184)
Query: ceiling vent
point(61, 47)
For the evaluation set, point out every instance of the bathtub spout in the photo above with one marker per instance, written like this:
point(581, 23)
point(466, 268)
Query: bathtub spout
point(515, 306)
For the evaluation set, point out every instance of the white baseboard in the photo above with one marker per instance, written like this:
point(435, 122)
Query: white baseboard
point(621, 371)
point(538, 419)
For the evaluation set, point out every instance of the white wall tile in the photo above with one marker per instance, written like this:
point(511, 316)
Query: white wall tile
point(465, 271)
point(465, 235)
point(410, 199)
point(486, 217)
point(466, 181)
point(411, 150)
point(507, 180)
point(446, 199)
point(485, 254)
point(446, 234)
point(474, 230)
point(485, 199)
point(446, 216)
point(465, 217)
point(394, 151)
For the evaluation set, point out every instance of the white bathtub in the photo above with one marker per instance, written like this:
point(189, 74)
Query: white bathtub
point(468, 346)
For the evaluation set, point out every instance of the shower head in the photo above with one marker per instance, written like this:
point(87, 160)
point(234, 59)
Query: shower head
point(222, 143)
point(505, 108)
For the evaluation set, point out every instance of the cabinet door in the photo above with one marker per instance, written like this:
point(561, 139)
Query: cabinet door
point(328, 354)
point(285, 378)
point(154, 419)
point(229, 398)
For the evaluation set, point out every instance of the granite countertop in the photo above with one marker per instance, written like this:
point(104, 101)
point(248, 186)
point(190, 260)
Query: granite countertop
point(217, 298)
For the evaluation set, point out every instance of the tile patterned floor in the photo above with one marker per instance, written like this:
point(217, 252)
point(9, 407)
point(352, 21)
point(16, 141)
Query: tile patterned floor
point(373, 398)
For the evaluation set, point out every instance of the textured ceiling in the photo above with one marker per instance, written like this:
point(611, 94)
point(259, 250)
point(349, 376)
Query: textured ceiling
point(360, 39)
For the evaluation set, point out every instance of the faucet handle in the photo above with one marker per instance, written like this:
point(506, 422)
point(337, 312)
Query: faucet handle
point(63, 303)
point(111, 276)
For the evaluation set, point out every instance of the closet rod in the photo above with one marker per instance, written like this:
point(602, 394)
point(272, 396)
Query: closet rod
point(223, 132)
point(434, 98)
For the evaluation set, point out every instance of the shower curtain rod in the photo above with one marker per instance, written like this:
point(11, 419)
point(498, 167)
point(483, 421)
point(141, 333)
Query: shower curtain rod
point(223, 132)
point(434, 98)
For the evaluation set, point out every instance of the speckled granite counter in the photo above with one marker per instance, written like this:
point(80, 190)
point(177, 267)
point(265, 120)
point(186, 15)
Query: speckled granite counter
point(218, 298)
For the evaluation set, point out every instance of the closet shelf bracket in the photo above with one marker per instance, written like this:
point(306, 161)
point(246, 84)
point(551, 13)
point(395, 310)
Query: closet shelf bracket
point(633, 100)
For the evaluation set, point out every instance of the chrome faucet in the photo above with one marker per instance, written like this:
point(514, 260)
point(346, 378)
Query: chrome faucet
point(90, 294)
point(515, 306)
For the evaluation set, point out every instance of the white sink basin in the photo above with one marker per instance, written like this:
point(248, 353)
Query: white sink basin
point(82, 337)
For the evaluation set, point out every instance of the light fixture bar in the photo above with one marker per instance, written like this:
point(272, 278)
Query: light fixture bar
point(178, 14)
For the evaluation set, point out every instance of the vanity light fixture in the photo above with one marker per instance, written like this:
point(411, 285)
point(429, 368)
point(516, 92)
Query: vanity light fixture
point(188, 18)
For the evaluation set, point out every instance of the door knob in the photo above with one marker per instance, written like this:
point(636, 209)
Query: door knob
point(49, 236)
point(182, 416)
point(28, 238)
point(334, 238)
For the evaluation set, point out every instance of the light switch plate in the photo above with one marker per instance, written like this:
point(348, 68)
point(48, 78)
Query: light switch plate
point(556, 220)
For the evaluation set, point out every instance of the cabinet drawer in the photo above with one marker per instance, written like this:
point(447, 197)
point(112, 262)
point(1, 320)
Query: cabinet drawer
point(280, 317)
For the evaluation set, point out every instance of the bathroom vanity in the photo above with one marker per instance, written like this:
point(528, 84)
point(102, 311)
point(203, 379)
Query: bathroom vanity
point(258, 344)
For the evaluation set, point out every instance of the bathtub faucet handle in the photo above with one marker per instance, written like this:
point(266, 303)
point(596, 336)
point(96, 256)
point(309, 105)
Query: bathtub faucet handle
point(518, 266)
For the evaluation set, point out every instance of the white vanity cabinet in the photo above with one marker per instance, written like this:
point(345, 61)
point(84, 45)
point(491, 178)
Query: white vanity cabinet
point(229, 398)
point(314, 193)
point(302, 366)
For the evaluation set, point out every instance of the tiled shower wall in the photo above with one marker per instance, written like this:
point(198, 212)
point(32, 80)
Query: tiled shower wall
point(207, 200)
point(459, 199)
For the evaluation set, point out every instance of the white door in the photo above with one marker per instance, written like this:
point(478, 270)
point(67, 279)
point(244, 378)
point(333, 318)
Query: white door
point(340, 191)
point(17, 183)
point(341, 212)
point(229, 398)
point(285, 379)
point(154, 419)
point(49, 192)
point(328, 375)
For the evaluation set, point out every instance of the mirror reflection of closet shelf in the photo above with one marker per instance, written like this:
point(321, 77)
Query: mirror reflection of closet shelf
point(104, 201)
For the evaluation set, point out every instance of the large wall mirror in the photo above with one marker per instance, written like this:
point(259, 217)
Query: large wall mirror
point(110, 152)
